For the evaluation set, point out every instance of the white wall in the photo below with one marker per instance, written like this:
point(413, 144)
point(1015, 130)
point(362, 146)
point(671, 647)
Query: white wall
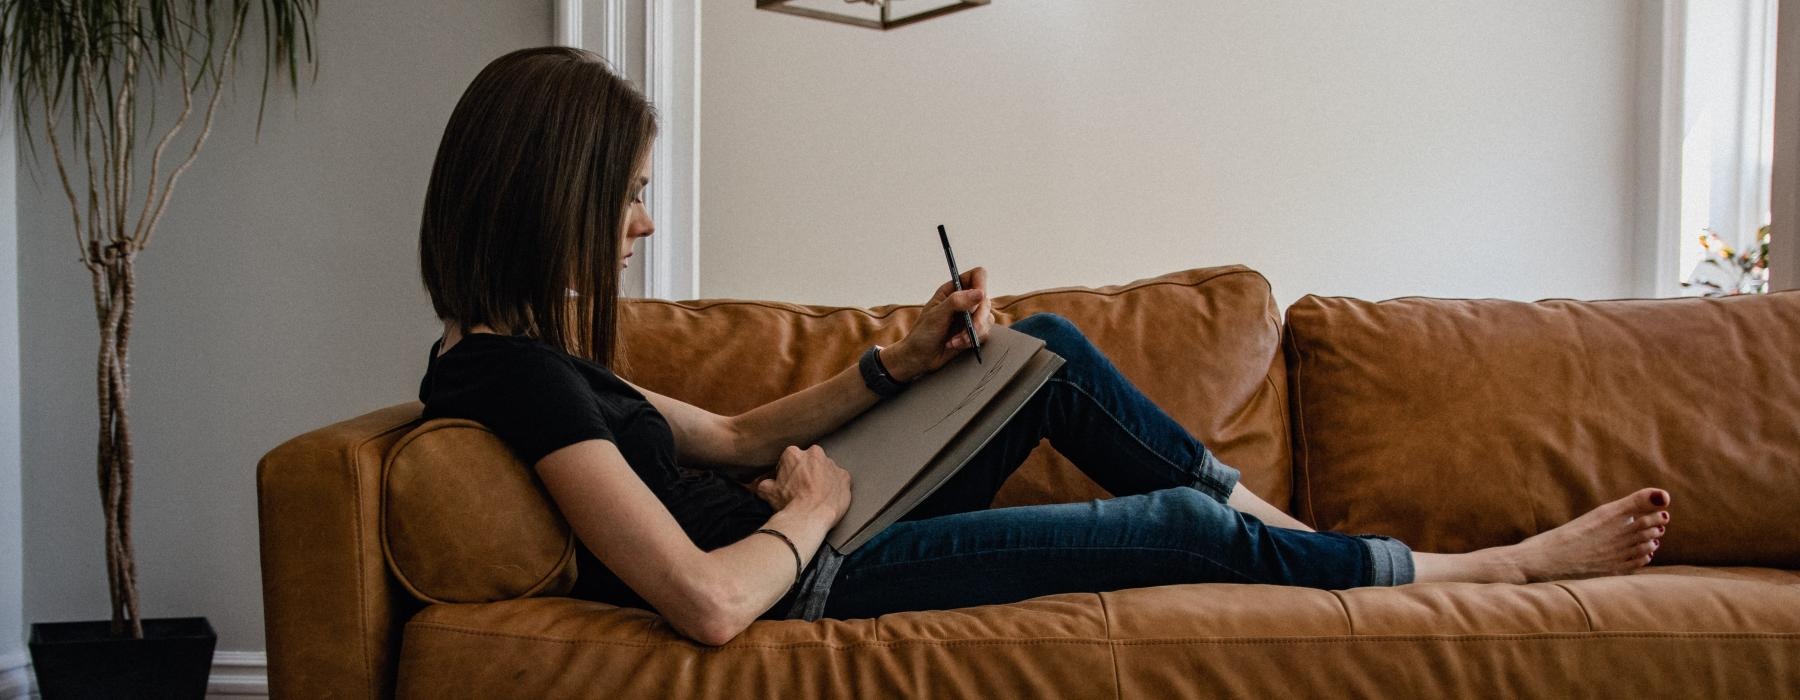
point(1374, 149)
point(281, 293)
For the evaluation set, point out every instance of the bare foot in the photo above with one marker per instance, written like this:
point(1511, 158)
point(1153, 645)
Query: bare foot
point(1616, 538)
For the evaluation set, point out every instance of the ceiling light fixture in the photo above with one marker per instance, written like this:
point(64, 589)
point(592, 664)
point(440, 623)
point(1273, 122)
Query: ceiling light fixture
point(874, 14)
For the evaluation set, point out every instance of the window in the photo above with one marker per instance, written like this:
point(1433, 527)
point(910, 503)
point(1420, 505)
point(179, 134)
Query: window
point(1725, 58)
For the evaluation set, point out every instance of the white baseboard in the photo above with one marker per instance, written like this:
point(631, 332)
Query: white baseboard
point(235, 674)
point(239, 674)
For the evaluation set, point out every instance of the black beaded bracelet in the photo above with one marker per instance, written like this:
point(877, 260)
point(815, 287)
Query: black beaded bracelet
point(875, 376)
point(791, 547)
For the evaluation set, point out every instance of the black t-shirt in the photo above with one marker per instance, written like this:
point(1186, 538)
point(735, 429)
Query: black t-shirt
point(538, 399)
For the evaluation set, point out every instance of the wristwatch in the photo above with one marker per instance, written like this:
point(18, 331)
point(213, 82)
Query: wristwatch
point(875, 376)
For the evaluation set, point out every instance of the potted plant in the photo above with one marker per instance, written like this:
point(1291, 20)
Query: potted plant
point(78, 68)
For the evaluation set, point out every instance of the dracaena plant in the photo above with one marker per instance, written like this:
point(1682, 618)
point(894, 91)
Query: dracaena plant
point(88, 73)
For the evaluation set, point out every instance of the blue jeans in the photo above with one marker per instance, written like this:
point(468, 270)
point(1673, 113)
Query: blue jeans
point(1168, 522)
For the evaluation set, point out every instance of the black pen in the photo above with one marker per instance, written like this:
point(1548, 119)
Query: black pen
point(956, 279)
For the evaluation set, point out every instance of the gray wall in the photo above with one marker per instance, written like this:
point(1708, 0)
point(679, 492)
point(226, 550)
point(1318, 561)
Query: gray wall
point(281, 293)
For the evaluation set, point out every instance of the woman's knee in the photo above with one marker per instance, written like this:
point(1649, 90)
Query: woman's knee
point(1059, 334)
point(1193, 510)
point(1178, 517)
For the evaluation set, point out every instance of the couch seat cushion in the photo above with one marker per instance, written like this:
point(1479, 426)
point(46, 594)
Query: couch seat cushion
point(562, 647)
point(1645, 633)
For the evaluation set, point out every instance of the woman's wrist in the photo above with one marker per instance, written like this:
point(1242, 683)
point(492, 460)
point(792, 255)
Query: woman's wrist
point(808, 508)
point(806, 522)
point(792, 548)
point(898, 365)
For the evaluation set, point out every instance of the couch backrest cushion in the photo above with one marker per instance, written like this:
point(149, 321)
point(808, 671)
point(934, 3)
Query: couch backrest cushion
point(1460, 424)
point(463, 521)
point(1204, 344)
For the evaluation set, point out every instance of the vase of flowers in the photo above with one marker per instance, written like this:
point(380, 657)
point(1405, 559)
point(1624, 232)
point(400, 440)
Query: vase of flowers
point(1725, 271)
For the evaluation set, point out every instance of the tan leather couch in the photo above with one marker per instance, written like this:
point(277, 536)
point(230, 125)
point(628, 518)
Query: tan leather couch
point(423, 561)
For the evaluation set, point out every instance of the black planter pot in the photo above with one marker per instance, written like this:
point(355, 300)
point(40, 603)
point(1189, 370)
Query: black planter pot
point(84, 660)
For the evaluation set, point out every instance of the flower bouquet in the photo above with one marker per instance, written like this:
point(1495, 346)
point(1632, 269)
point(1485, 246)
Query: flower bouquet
point(1724, 271)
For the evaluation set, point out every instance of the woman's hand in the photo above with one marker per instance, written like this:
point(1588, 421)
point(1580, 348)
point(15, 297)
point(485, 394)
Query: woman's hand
point(807, 478)
point(938, 337)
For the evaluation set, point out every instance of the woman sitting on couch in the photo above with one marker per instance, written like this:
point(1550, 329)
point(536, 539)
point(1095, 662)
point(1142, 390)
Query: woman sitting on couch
point(533, 205)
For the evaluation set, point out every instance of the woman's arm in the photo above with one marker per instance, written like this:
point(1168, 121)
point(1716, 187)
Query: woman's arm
point(757, 437)
point(803, 417)
point(702, 438)
point(707, 596)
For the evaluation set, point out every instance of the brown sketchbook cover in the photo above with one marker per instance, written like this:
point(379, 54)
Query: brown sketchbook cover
point(899, 451)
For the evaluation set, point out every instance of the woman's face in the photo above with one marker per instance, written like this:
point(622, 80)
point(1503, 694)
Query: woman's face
point(637, 216)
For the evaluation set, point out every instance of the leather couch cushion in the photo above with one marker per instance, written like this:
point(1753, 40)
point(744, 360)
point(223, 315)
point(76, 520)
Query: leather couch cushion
point(567, 648)
point(463, 521)
point(1639, 635)
point(1460, 424)
point(1204, 344)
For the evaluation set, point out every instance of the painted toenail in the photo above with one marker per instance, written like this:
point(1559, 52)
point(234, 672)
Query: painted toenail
point(1655, 545)
point(1660, 529)
point(1656, 499)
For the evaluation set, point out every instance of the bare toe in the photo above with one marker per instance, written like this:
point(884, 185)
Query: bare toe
point(1658, 520)
point(1645, 501)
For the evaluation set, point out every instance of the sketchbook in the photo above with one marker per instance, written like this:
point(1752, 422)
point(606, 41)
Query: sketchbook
point(905, 447)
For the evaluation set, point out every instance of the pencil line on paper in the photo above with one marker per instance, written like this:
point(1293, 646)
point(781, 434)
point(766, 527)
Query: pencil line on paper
point(986, 378)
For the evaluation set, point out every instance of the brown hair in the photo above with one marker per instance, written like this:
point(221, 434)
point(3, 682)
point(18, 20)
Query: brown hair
point(528, 197)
